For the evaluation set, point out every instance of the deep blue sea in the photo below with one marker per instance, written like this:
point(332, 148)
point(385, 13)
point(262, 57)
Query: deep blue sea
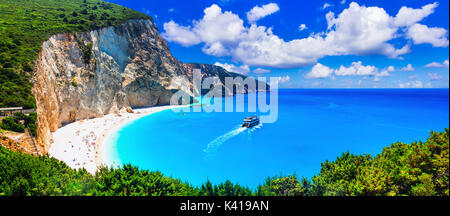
point(314, 125)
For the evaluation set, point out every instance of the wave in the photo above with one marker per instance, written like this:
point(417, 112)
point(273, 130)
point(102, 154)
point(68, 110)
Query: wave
point(215, 144)
point(212, 146)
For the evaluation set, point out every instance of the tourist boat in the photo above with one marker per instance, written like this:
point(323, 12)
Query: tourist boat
point(250, 122)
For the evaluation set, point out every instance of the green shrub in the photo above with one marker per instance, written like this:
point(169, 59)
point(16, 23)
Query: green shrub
point(29, 121)
point(419, 169)
point(12, 124)
point(87, 52)
point(33, 129)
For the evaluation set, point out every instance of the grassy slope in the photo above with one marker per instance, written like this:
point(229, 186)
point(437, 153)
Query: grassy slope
point(26, 24)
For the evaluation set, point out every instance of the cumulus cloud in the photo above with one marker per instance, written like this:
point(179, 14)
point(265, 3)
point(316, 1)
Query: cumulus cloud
point(325, 6)
point(409, 16)
point(302, 27)
point(437, 64)
point(243, 69)
point(180, 34)
point(408, 67)
point(434, 76)
point(411, 84)
point(258, 13)
point(284, 79)
point(423, 34)
point(413, 77)
point(281, 80)
point(319, 71)
point(356, 69)
point(357, 30)
point(385, 72)
point(261, 71)
point(217, 30)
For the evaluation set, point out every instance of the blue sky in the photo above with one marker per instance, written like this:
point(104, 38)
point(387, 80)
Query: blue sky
point(311, 44)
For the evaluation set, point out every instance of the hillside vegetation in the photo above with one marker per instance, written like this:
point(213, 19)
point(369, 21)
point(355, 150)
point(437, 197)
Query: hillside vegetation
point(26, 24)
point(418, 169)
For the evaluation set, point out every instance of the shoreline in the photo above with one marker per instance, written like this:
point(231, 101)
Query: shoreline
point(84, 144)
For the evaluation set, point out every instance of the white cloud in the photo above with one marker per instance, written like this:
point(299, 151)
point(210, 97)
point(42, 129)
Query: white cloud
point(434, 76)
point(409, 16)
point(243, 69)
point(408, 67)
point(302, 27)
point(325, 6)
point(411, 84)
point(356, 69)
point(180, 34)
point(357, 30)
point(390, 69)
point(217, 30)
point(258, 13)
point(171, 10)
point(437, 65)
point(363, 30)
point(342, 1)
point(282, 80)
point(434, 65)
point(413, 77)
point(261, 71)
point(319, 71)
point(423, 34)
point(385, 72)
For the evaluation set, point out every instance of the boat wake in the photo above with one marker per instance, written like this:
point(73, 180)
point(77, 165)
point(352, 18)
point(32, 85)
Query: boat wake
point(215, 144)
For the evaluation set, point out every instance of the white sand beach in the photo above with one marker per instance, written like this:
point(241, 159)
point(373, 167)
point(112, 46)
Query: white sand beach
point(83, 144)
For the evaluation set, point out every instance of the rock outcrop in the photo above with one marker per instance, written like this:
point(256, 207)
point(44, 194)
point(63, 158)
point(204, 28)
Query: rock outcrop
point(110, 70)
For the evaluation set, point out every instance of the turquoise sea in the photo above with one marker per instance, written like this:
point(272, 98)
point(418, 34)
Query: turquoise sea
point(314, 125)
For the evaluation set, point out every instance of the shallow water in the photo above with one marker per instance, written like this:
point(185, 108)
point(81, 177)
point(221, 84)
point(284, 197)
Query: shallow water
point(313, 126)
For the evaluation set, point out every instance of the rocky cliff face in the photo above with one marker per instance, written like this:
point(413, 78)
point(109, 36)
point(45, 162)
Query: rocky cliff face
point(88, 75)
point(241, 87)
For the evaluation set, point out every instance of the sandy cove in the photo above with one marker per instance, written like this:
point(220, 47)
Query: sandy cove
point(83, 144)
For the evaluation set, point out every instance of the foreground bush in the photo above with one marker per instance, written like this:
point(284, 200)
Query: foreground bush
point(417, 169)
point(12, 124)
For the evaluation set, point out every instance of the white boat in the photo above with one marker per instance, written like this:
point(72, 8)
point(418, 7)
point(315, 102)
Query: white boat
point(250, 122)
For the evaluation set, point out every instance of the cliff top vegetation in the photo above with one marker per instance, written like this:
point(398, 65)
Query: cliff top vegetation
point(26, 24)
